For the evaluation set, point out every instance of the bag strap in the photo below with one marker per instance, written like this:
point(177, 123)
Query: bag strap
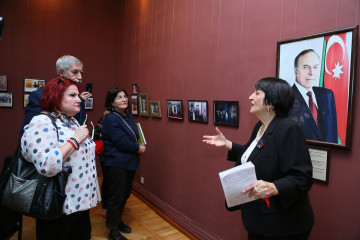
point(127, 125)
point(53, 122)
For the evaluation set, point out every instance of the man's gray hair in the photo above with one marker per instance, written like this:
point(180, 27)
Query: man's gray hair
point(65, 62)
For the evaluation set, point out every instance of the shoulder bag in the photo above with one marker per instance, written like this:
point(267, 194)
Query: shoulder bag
point(33, 194)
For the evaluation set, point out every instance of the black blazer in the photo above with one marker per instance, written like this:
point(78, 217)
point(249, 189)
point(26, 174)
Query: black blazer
point(300, 112)
point(284, 160)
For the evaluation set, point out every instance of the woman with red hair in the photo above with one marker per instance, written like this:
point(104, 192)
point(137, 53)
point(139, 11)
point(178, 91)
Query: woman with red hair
point(49, 149)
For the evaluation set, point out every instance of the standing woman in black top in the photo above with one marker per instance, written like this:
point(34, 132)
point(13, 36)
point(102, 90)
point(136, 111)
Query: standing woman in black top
point(277, 148)
point(121, 158)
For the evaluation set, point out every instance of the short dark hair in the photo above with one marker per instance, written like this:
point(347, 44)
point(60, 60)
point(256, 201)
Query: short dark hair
point(53, 93)
point(306, 51)
point(278, 93)
point(110, 97)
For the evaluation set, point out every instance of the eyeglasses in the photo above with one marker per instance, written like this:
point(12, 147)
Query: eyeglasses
point(122, 98)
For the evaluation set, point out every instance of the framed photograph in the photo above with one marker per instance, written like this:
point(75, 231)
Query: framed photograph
point(32, 84)
point(320, 161)
point(134, 104)
point(175, 109)
point(198, 111)
point(3, 83)
point(321, 69)
point(135, 89)
point(143, 104)
point(89, 104)
point(26, 99)
point(155, 109)
point(226, 113)
point(6, 99)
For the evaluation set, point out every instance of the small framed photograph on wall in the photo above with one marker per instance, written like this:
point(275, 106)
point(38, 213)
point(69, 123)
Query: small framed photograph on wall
point(144, 104)
point(175, 109)
point(155, 109)
point(226, 113)
point(89, 104)
point(135, 89)
point(134, 104)
point(198, 111)
point(3, 83)
point(26, 99)
point(32, 84)
point(6, 99)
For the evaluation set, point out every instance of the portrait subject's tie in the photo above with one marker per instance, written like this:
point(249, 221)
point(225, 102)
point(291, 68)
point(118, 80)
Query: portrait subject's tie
point(312, 107)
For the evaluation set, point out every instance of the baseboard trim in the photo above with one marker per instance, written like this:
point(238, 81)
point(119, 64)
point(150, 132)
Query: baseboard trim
point(177, 219)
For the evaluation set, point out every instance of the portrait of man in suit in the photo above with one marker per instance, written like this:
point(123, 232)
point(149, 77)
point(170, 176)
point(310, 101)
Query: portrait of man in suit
point(314, 107)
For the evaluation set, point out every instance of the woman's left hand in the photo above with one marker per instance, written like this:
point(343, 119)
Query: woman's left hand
point(261, 189)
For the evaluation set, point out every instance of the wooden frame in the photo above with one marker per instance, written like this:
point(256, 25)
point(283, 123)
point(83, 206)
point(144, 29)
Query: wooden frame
point(89, 104)
point(3, 83)
point(226, 113)
point(134, 105)
point(175, 109)
point(330, 59)
point(155, 109)
point(33, 84)
point(26, 99)
point(143, 104)
point(135, 89)
point(198, 111)
point(6, 100)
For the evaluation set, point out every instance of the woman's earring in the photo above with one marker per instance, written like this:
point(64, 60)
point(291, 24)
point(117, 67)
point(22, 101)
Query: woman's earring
point(268, 109)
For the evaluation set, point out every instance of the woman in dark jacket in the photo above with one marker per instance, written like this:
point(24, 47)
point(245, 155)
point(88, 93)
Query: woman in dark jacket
point(121, 158)
point(278, 150)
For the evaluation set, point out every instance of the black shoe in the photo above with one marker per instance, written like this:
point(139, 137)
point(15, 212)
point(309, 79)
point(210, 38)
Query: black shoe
point(124, 228)
point(116, 236)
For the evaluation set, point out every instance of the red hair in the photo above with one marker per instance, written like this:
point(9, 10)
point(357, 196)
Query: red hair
point(53, 92)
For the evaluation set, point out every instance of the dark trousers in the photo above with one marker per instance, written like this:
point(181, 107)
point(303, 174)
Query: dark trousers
point(75, 226)
point(104, 185)
point(119, 182)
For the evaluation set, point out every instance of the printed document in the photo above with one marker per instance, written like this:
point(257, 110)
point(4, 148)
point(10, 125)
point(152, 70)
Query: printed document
point(235, 180)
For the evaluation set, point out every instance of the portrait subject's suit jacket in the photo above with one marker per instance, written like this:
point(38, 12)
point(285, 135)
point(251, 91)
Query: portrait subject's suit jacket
point(283, 159)
point(300, 112)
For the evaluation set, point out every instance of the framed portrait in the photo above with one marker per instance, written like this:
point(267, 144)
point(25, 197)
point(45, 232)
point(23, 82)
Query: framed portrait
point(32, 84)
point(143, 104)
point(135, 89)
point(175, 109)
point(6, 99)
point(89, 104)
point(134, 104)
point(226, 113)
point(3, 83)
point(198, 111)
point(321, 69)
point(155, 109)
point(26, 99)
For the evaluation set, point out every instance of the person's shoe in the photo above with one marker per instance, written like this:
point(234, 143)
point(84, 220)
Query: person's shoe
point(116, 236)
point(124, 228)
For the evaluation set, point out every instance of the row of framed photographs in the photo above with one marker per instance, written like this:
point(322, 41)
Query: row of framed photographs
point(6, 98)
point(225, 112)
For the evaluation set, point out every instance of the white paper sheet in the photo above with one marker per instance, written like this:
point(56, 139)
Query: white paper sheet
point(235, 180)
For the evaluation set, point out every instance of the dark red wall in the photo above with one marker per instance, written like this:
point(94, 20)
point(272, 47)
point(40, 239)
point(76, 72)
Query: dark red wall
point(188, 50)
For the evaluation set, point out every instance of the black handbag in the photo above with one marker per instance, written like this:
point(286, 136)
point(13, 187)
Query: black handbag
point(33, 194)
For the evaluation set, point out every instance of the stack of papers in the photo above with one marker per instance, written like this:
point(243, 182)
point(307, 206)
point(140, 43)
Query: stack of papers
point(235, 180)
point(141, 140)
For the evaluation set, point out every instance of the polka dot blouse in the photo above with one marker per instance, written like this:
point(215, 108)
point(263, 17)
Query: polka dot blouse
point(40, 145)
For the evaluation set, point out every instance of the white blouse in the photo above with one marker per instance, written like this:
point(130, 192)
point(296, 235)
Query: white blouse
point(40, 145)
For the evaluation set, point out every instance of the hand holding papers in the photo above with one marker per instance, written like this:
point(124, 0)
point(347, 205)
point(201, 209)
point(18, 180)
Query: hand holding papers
point(235, 180)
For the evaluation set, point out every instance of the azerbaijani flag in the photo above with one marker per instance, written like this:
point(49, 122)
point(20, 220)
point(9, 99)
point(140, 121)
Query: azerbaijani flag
point(336, 75)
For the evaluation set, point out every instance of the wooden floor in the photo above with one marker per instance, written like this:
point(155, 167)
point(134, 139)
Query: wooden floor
point(144, 222)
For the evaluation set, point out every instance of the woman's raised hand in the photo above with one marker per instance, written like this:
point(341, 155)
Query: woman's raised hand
point(81, 134)
point(217, 140)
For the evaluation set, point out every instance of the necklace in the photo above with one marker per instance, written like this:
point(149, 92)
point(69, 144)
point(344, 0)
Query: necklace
point(259, 134)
